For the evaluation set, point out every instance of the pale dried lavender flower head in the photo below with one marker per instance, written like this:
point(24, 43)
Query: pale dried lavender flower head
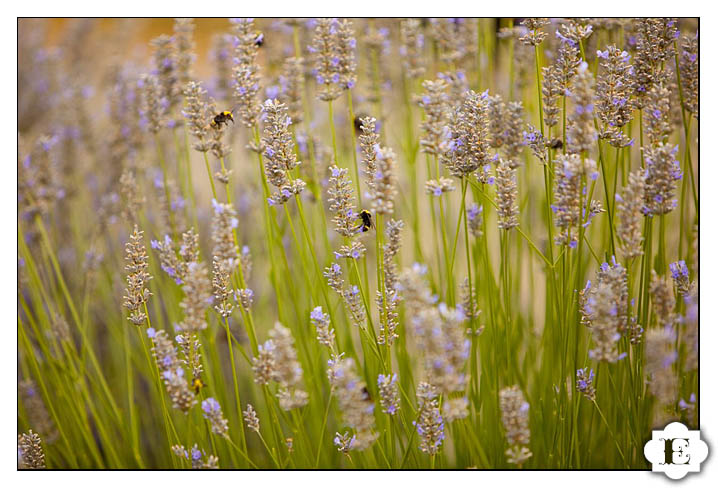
point(333, 47)
point(435, 102)
point(535, 35)
point(387, 304)
point(584, 383)
point(341, 201)
point(277, 361)
point(321, 321)
point(515, 418)
point(198, 297)
point(171, 371)
point(566, 66)
point(657, 115)
point(681, 277)
point(198, 114)
point(475, 216)
point(455, 408)
point(136, 293)
point(654, 45)
point(662, 300)
point(689, 73)
point(507, 195)
point(165, 59)
point(279, 155)
point(388, 393)
point(354, 402)
point(662, 172)
point(581, 133)
point(573, 31)
point(292, 83)
point(536, 143)
point(152, 110)
point(440, 332)
point(212, 411)
point(132, 197)
point(552, 90)
point(222, 289)
point(250, 417)
point(439, 187)
point(224, 221)
point(614, 107)
point(662, 379)
point(629, 207)
point(184, 39)
point(497, 119)
point(369, 142)
point(513, 133)
point(391, 250)
point(245, 72)
point(601, 307)
point(468, 146)
point(385, 182)
point(429, 423)
point(412, 47)
point(572, 172)
point(196, 457)
point(445, 32)
point(29, 451)
point(344, 57)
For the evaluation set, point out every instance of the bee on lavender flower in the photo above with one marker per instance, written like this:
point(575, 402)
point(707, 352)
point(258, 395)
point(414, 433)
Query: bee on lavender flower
point(259, 40)
point(366, 221)
point(358, 122)
point(197, 384)
point(222, 118)
point(555, 143)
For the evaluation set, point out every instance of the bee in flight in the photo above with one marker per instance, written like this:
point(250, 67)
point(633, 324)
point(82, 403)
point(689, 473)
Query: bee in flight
point(222, 118)
point(259, 40)
point(366, 222)
point(555, 143)
point(197, 384)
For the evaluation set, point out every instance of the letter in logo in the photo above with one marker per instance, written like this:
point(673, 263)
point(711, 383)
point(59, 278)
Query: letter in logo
point(676, 450)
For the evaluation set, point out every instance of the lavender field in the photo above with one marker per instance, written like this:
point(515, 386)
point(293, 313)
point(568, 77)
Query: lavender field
point(355, 243)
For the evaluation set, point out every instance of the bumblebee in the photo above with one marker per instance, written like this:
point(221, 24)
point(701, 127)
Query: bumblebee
point(366, 222)
point(358, 123)
point(197, 384)
point(555, 143)
point(222, 118)
point(259, 40)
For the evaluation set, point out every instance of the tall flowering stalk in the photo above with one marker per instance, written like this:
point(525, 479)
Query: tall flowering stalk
point(137, 294)
point(468, 146)
point(354, 402)
point(429, 423)
point(662, 173)
point(614, 107)
point(569, 206)
point(277, 361)
point(506, 193)
point(171, 371)
point(280, 158)
point(515, 418)
point(581, 133)
point(246, 71)
point(630, 216)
